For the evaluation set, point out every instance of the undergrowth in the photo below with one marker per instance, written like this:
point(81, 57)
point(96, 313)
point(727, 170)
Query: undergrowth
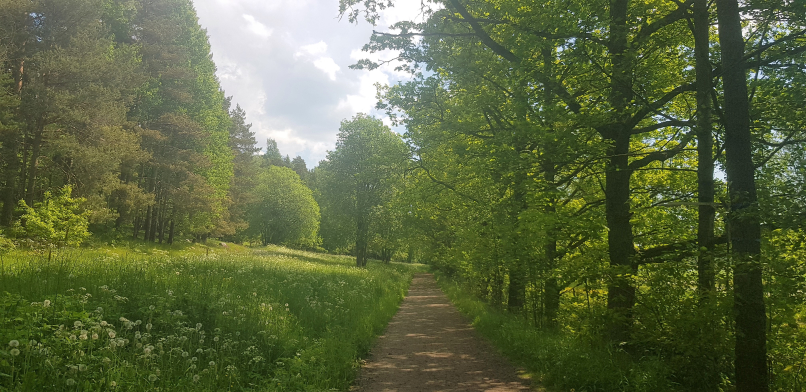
point(557, 360)
point(139, 319)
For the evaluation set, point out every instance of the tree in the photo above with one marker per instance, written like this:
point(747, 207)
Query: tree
point(57, 220)
point(745, 227)
point(359, 175)
point(284, 210)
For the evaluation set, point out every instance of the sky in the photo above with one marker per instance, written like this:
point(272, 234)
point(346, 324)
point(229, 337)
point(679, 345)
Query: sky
point(285, 62)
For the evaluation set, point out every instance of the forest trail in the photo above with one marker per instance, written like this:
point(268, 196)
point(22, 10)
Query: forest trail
point(429, 346)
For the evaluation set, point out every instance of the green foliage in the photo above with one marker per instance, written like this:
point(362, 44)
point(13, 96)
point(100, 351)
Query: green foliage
point(56, 220)
point(268, 320)
point(6, 245)
point(356, 178)
point(284, 211)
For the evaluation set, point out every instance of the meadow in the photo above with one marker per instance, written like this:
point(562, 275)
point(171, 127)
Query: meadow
point(136, 319)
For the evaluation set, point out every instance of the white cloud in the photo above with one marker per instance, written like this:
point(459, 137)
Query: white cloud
point(328, 66)
point(256, 27)
point(316, 49)
point(285, 62)
point(317, 52)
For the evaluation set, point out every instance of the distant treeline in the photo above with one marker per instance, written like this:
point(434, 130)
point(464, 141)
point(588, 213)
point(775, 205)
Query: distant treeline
point(120, 100)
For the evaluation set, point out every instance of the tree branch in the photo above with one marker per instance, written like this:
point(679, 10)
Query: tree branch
point(662, 155)
point(655, 127)
point(654, 106)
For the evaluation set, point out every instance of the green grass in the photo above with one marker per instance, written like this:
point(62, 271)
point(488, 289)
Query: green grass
point(561, 361)
point(137, 318)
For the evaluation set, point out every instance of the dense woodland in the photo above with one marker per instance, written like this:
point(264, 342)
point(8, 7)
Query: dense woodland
point(627, 172)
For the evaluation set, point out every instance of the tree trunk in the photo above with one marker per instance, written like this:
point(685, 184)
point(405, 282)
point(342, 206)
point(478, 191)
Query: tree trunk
point(147, 223)
point(361, 240)
point(36, 148)
point(136, 228)
point(705, 146)
point(745, 229)
point(171, 232)
point(620, 292)
point(10, 189)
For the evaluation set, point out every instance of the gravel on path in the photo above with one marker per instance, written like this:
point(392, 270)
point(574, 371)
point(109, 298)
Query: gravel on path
point(430, 346)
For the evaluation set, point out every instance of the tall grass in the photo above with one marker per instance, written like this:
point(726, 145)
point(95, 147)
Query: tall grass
point(127, 319)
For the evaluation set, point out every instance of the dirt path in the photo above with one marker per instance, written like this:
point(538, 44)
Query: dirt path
point(429, 346)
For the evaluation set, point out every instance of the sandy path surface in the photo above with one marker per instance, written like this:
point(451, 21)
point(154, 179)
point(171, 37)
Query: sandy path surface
point(429, 346)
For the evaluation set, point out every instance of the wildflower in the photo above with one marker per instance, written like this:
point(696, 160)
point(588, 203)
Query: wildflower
point(14, 352)
point(212, 363)
point(82, 367)
point(106, 360)
point(111, 334)
point(83, 335)
point(124, 319)
point(148, 327)
point(195, 378)
point(14, 343)
point(151, 307)
point(32, 343)
point(194, 359)
point(138, 322)
point(198, 326)
point(104, 323)
point(192, 366)
point(70, 382)
point(201, 341)
point(99, 310)
point(215, 339)
point(152, 377)
point(46, 304)
point(137, 335)
point(113, 384)
point(147, 350)
point(94, 336)
point(199, 351)
point(185, 354)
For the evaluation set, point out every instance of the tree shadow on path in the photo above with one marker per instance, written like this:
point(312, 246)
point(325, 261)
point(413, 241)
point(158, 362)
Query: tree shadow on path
point(429, 346)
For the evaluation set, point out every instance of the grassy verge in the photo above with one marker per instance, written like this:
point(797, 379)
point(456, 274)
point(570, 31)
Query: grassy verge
point(559, 360)
point(137, 318)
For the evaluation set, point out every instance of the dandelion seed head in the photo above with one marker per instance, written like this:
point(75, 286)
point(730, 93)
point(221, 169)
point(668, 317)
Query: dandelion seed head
point(14, 352)
point(212, 363)
point(46, 303)
point(70, 382)
point(152, 377)
point(14, 343)
point(195, 378)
